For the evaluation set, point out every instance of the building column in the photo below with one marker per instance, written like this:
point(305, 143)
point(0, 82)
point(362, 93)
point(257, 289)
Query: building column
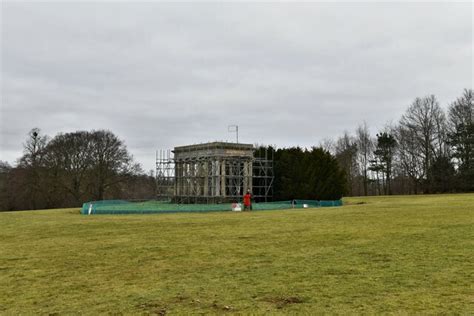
point(177, 191)
point(216, 178)
point(205, 170)
point(223, 176)
point(192, 178)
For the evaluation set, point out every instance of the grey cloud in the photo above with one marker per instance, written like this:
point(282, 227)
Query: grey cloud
point(162, 74)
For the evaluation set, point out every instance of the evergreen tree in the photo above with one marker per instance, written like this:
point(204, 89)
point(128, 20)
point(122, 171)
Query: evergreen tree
point(308, 174)
point(461, 138)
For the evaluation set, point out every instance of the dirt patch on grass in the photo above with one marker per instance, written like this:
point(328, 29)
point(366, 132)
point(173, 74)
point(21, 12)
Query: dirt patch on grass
point(182, 298)
point(220, 307)
point(165, 307)
point(283, 301)
point(153, 308)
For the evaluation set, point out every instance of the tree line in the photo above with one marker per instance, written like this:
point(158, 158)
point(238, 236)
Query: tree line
point(428, 150)
point(72, 168)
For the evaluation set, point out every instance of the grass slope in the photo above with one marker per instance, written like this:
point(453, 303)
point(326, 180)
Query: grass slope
point(407, 254)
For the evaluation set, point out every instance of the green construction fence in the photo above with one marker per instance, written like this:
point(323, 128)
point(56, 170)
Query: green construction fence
point(161, 207)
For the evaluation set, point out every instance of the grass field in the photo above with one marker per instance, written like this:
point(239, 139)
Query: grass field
point(410, 254)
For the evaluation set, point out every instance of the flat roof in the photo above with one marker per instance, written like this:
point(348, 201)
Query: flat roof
point(214, 145)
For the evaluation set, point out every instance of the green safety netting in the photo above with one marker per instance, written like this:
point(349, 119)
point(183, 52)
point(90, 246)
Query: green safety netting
point(152, 207)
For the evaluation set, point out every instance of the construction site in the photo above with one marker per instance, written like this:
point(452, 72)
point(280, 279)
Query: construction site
point(209, 177)
point(216, 172)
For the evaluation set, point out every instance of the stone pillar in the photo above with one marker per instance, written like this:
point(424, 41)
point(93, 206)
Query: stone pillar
point(186, 178)
point(250, 175)
point(223, 163)
point(205, 170)
point(216, 178)
point(177, 191)
point(179, 178)
point(183, 178)
point(192, 178)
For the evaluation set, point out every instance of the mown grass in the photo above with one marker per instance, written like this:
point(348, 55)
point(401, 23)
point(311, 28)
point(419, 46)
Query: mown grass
point(409, 254)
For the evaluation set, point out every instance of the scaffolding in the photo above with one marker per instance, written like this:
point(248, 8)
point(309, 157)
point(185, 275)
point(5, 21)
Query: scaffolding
point(215, 172)
point(165, 175)
point(263, 175)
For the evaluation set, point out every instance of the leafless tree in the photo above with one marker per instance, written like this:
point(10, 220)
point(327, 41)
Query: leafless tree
point(34, 149)
point(424, 123)
point(346, 155)
point(32, 165)
point(87, 164)
point(68, 161)
point(365, 146)
point(111, 162)
point(328, 145)
point(409, 156)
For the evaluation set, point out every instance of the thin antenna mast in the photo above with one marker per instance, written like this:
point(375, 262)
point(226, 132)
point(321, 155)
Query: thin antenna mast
point(234, 129)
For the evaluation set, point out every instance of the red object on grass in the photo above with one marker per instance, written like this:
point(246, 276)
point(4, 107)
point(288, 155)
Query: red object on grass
point(247, 198)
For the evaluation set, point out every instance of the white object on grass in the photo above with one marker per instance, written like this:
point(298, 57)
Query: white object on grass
point(90, 209)
point(236, 207)
point(305, 205)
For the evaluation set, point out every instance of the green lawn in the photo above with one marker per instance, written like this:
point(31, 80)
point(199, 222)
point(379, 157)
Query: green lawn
point(373, 255)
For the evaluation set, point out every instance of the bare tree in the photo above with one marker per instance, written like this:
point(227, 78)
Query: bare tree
point(346, 155)
point(87, 164)
point(111, 162)
point(409, 156)
point(68, 160)
point(328, 145)
point(32, 164)
point(425, 123)
point(365, 146)
point(34, 148)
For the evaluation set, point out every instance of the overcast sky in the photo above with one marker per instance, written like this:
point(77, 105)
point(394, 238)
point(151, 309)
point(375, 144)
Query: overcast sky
point(161, 75)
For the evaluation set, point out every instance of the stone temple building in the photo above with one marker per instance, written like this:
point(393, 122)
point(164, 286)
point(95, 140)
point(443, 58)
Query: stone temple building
point(215, 172)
